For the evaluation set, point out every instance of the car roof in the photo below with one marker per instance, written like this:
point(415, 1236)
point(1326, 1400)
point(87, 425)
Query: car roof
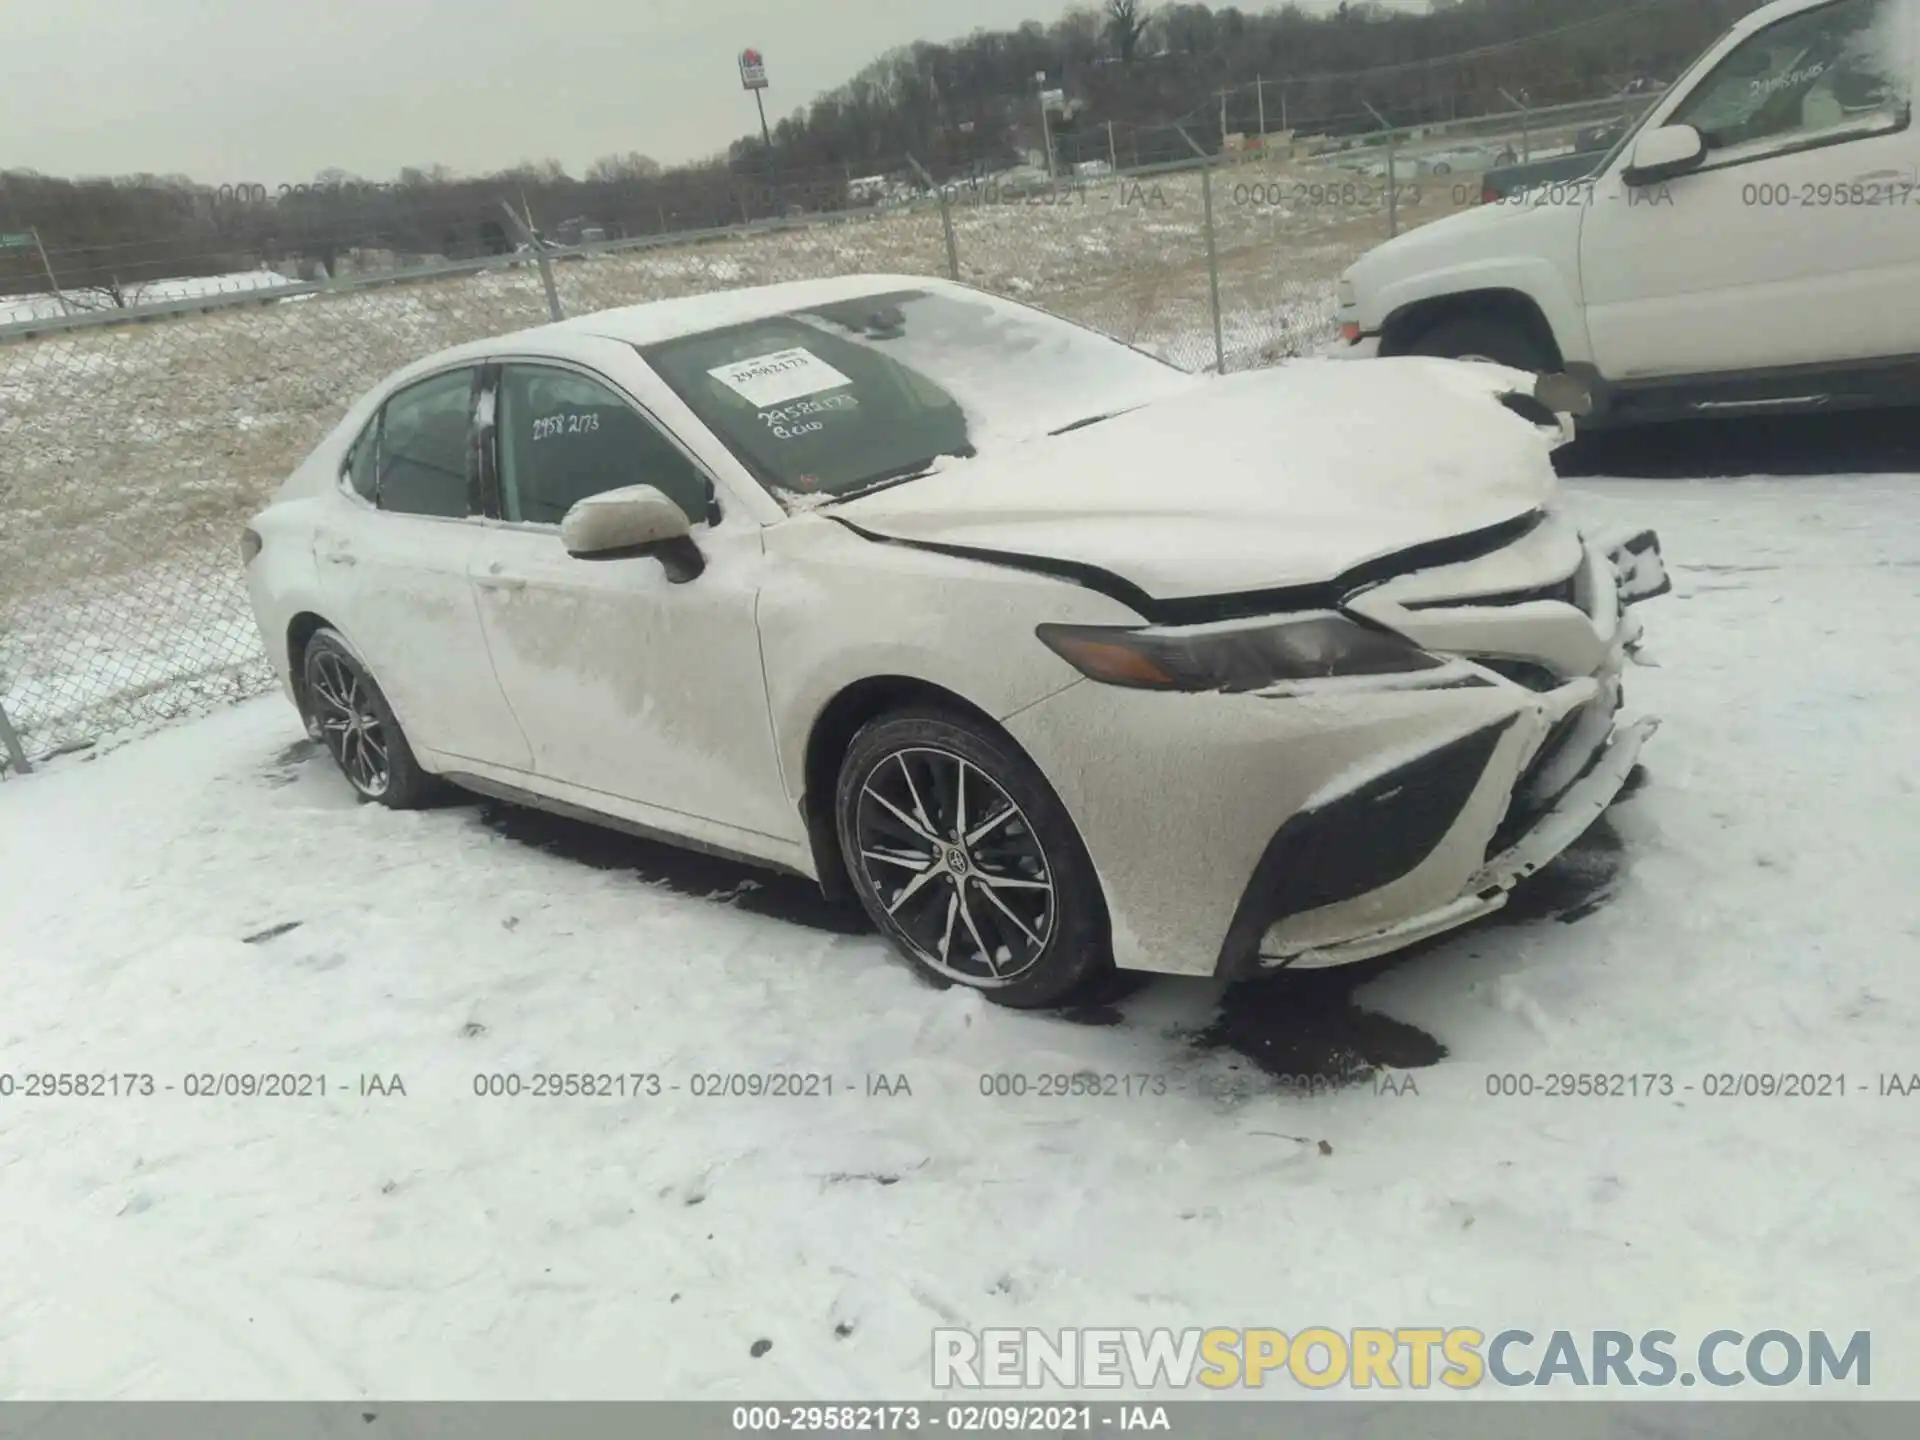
point(659, 320)
point(1778, 10)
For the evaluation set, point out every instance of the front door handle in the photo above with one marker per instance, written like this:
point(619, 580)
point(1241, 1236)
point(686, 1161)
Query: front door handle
point(502, 583)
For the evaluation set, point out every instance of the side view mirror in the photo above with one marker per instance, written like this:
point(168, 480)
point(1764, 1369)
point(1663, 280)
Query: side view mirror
point(635, 520)
point(1664, 153)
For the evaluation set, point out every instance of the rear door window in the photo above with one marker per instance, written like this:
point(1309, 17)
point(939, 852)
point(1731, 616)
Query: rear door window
point(426, 448)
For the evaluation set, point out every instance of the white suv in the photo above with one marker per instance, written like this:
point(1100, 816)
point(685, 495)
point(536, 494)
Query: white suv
point(1752, 245)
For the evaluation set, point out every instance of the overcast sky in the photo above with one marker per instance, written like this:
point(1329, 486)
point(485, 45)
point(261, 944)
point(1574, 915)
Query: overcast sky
point(273, 91)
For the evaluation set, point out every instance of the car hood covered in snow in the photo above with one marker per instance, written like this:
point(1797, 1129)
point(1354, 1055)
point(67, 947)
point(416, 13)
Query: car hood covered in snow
point(1271, 479)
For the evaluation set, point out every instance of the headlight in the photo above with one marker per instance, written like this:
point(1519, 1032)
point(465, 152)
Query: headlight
point(1348, 297)
point(249, 546)
point(1233, 659)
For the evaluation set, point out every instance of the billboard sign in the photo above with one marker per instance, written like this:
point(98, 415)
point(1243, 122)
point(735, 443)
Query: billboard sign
point(753, 70)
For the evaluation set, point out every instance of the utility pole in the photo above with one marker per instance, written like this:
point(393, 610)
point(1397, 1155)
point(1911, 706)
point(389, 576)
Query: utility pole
point(773, 160)
point(753, 76)
point(1223, 122)
point(1260, 98)
point(1113, 151)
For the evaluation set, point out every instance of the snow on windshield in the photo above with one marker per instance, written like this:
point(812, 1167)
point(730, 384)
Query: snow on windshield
point(1888, 48)
point(1018, 374)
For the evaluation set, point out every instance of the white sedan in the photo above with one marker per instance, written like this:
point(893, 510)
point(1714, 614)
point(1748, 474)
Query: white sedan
point(1055, 656)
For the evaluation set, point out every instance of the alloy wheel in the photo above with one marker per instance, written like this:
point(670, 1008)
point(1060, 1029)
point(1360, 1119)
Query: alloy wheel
point(963, 880)
point(342, 702)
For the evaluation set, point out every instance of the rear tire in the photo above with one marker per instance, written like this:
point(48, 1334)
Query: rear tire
point(966, 860)
point(1483, 337)
point(358, 727)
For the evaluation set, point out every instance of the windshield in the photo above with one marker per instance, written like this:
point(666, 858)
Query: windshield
point(837, 399)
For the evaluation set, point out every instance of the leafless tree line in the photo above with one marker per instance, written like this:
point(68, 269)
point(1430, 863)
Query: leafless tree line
point(1129, 73)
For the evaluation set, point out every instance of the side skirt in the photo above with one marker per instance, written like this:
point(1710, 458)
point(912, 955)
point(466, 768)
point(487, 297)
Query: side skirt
point(515, 795)
point(1790, 390)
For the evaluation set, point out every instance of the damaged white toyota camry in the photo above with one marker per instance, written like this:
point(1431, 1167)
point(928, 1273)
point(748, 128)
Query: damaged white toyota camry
point(1055, 656)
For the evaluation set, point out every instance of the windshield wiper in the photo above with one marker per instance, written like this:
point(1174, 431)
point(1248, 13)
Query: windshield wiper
point(1091, 420)
point(885, 482)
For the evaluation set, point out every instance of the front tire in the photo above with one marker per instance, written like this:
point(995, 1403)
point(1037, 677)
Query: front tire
point(1483, 337)
point(355, 723)
point(966, 860)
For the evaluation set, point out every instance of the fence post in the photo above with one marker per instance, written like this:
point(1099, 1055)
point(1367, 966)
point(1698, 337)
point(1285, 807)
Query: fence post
point(1213, 253)
point(1393, 188)
point(10, 741)
point(946, 218)
point(58, 294)
point(1393, 175)
point(1526, 127)
point(530, 236)
point(1213, 269)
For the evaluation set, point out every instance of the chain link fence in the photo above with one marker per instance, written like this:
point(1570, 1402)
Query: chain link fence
point(135, 443)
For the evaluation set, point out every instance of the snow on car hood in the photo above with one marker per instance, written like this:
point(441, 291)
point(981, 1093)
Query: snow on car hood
point(1264, 480)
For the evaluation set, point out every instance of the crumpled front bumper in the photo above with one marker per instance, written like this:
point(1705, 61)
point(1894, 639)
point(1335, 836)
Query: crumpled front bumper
point(1321, 822)
point(1544, 777)
point(1565, 821)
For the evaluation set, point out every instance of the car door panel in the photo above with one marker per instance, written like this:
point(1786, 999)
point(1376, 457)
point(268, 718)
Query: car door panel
point(625, 682)
point(634, 686)
point(395, 582)
point(397, 587)
point(1699, 276)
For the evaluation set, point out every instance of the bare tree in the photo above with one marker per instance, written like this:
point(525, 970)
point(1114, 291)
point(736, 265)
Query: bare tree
point(1126, 23)
point(630, 166)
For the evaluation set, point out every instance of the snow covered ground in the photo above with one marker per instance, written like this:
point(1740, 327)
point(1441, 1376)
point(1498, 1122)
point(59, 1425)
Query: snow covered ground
point(15, 309)
point(1752, 908)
